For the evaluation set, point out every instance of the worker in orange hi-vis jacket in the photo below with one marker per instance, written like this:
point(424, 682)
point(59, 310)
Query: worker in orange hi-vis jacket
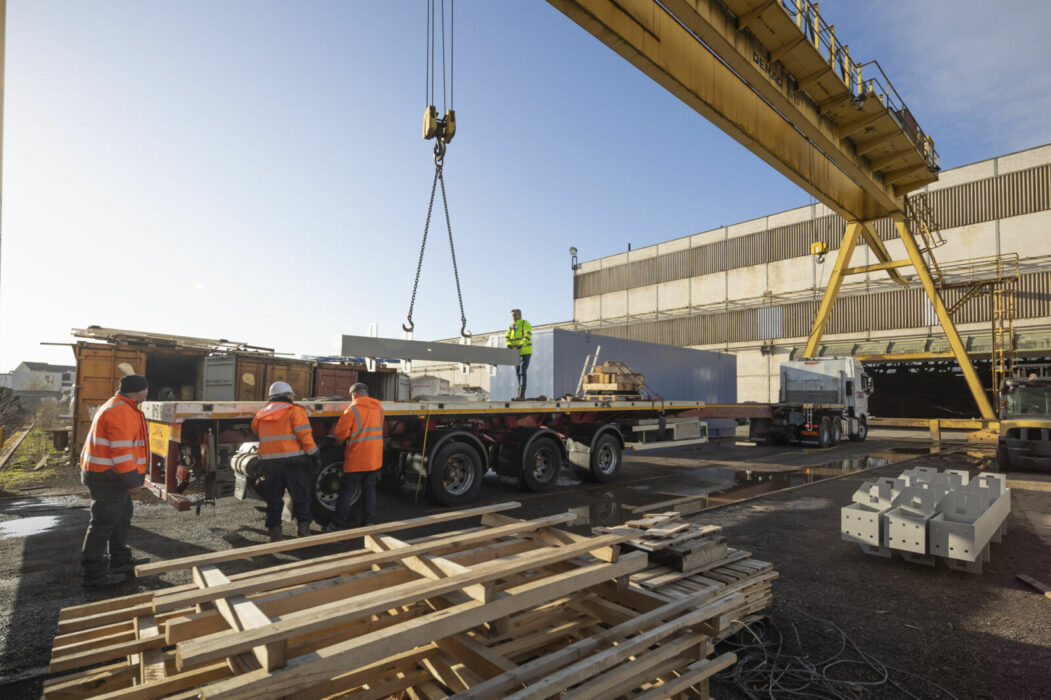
point(288, 453)
point(113, 467)
point(361, 425)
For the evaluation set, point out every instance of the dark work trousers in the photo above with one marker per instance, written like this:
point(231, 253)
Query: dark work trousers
point(111, 510)
point(349, 483)
point(292, 474)
point(520, 370)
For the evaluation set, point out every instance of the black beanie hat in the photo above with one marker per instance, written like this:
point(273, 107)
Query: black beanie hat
point(132, 383)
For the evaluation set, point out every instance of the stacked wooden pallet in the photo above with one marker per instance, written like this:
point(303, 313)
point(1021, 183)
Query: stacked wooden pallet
point(614, 379)
point(689, 559)
point(509, 608)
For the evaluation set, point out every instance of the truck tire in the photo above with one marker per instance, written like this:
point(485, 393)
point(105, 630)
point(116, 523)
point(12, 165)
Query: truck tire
point(863, 430)
point(605, 459)
point(454, 475)
point(324, 487)
point(1003, 458)
point(837, 430)
point(541, 464)
point(824, 432)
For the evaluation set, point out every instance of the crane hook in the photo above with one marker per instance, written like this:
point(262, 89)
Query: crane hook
point(408, 328)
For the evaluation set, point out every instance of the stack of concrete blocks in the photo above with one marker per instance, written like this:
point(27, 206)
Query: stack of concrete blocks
point(924, 514)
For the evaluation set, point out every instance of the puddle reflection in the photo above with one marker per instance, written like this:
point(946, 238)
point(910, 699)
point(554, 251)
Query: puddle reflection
point(697, 489)
point(24, 527)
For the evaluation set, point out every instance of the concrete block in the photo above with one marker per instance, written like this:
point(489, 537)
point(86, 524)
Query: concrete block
point(905, 531)
point(861, 524)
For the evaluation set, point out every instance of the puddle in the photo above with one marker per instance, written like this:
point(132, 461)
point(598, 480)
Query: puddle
point(24, 527)
point(691, 491)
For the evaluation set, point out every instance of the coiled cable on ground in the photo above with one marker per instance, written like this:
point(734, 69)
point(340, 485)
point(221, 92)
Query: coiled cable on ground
point(771, 666)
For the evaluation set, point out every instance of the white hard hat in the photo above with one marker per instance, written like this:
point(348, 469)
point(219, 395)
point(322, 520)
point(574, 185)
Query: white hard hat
point(278, 388)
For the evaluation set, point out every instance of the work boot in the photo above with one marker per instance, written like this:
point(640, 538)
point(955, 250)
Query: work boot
point(105, 580)
point(275, 533)
point(126, 566)
point(331, 527)
point(303, 528)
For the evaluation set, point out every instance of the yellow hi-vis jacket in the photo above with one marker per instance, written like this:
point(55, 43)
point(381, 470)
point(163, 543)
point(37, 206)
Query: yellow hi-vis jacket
point(520, 336)
point(283, 430)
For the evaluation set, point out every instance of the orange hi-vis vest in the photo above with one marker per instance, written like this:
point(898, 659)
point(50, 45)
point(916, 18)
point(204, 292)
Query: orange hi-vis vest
point(361, 425)
point(115, 450)
point(283, 431)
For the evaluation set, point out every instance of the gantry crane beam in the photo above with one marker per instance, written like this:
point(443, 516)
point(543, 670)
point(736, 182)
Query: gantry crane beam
point(662, 48)
point(761, 78)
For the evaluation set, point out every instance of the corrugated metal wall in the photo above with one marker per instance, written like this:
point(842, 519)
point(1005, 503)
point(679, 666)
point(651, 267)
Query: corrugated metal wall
point(998, 197)
point(900, 308)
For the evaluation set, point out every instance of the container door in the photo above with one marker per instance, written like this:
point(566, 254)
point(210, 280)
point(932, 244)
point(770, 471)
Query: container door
point(334, 380)
point(99, 369)
point(299, 374)
point(220, 374)
point(251, 379)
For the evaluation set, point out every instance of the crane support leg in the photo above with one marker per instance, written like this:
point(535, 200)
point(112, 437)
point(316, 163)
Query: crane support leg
point(920, 265)
point(846, 251)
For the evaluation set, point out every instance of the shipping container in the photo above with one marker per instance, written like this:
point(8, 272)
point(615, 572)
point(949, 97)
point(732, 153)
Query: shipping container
point(245, 377)
point(174, 374)
point(331, 379)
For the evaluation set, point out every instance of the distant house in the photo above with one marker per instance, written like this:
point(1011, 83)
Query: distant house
point(42, 377)
point(5, 380)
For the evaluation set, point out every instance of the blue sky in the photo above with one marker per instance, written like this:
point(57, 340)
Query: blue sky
point(253, 170)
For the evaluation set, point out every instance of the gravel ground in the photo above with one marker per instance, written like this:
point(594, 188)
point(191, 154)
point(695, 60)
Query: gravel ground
point(978, 636)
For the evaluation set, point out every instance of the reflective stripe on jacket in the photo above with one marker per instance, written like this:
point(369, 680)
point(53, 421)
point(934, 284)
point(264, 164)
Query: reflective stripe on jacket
point(284, 431)
point(520, 336)
point(361, 425)
point(115, 450)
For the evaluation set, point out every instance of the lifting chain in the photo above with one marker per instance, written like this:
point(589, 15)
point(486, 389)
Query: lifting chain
point(439, 160)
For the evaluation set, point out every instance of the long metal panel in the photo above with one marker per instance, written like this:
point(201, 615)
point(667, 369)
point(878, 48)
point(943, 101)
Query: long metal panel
point(365, 346)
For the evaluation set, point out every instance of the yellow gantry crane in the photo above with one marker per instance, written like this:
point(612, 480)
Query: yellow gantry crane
point(773, 75)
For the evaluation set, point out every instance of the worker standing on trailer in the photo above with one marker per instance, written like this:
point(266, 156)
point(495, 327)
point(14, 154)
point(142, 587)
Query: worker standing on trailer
point(286, 446)
point(520, 337)
point(361, 425)
point(113, 466)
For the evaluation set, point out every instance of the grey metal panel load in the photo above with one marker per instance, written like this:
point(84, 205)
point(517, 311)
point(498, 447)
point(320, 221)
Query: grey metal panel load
point(677, 374)
point(391, 348)
point(925, 514)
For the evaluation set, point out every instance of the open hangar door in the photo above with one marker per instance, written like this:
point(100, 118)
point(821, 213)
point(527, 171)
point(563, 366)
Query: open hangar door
point(936, 388)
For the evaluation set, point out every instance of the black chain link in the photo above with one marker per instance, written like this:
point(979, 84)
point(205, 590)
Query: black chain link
point(439, 157)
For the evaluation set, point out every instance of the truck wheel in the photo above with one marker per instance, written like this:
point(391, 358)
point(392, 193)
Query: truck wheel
point(605, 459)
point(824, 433)
point(837, 430)
point(455, 474)
point(541, 464)
point(324, 487)
point(1003, 458)
point(863, 430)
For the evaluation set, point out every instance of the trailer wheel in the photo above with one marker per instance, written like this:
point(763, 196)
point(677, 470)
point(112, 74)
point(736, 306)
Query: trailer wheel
point(824, 433)
point(324, 487)
point(605, 459)
point(837, 430)
point(863, 430)
point(541, 464)
point(455, 474)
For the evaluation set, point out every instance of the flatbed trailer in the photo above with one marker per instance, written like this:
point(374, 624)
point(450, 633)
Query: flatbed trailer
point(440, 448)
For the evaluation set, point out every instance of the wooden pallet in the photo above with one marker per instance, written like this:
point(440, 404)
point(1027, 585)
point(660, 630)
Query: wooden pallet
point(507, 608)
